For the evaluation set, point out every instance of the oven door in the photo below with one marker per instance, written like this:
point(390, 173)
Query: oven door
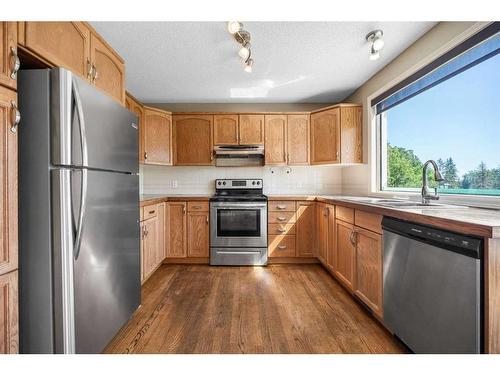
point(238, 224)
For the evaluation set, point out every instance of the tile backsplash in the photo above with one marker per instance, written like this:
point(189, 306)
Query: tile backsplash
point(277, 180)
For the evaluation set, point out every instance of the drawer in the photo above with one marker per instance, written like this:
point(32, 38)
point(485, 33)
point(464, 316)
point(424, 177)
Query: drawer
point(281, 246)
point(368, 221)
point(281, 206)
point(281, 217)
point(198, 206)
point(149, 212)
point(345, 214)
point(280, 229)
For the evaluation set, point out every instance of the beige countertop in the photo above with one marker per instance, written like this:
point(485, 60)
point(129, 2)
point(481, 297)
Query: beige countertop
point(477, 221)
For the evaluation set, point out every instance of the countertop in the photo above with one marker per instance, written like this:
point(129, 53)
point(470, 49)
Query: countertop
point(475, 221)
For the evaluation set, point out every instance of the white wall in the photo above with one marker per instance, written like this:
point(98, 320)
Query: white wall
point(438, 40)
point(200, 180)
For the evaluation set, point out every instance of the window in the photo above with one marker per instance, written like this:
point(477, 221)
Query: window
point(448, 112)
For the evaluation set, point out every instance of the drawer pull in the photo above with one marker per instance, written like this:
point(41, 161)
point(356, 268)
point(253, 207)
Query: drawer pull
point(281, 218)
point(281, 247)
point(151, 212)
point(281, 230)
point(280, 207)
point(196, 207)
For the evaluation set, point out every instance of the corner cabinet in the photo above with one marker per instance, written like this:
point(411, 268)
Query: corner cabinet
point(336, 135)
point(192, 136)
point(157, 137)
point(79, 48)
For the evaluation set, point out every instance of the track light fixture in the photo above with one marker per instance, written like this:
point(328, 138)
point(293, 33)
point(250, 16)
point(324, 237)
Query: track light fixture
point(377, 43)
point(243, 38)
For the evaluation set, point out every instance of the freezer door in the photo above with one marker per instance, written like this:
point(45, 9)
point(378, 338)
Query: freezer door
point(90, 129)
point(106, 257)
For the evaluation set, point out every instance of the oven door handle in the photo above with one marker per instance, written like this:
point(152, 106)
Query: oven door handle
point(238, 206)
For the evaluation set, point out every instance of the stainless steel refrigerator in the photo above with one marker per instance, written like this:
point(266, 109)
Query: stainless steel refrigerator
point(79, 249)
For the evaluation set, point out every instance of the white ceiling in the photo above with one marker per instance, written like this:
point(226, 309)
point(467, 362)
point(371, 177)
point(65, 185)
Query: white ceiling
point(307, 62)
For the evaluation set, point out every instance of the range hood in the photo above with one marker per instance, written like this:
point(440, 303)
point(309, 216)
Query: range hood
point(239, 156)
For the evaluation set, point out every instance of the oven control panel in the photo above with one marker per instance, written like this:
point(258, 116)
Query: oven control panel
point(238, 184)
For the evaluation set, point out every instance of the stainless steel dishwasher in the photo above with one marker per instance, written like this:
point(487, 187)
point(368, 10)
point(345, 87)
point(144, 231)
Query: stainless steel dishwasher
point(432, 288)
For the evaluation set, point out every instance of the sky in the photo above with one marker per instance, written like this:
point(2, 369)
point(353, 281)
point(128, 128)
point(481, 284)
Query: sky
point(459, 118)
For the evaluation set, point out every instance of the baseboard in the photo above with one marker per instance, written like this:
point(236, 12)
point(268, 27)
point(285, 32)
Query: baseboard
point(197, 260)
point(295, 260)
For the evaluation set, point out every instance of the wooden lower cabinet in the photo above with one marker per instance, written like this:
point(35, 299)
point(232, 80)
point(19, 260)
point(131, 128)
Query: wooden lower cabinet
point(281, 246)
point(331, 248)
point(368, 279)
point(176, 230)
point(346, 252)
point(198, 234)
point(305, 228)
point(9, 313)
point(323, 214)
point(149, 246)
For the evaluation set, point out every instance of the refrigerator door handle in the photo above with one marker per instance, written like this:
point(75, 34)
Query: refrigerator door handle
point(83, 140)
point(81, 122)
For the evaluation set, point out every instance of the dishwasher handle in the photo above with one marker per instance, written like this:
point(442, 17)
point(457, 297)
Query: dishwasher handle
point(466, 245)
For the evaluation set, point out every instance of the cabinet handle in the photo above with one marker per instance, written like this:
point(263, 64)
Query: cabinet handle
point(95, 75)
point(280, 207)
point(15, 117)
point(207, 219)
point(353, 237)
point(16, 63)
point(281, 218)
point(89, 70)
point(281, 230)
point(145, 156)
point(325, 212)
point(288, 158)
point(196, 207)
point(337, 155)
point(281, 247)
point(184, 209)
point(151, 212)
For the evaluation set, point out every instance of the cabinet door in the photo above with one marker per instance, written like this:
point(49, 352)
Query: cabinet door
point(8, 54)
point(65, 44)
point(176, 230)
point(368, 285)
point(298, 139)
point(157, 137)
point(252, 130)
point(150, 246)
point(198, 234)
point(275, 139)
point(325, 137)
point(161, 230)
point(305, 228)
point(193, 140)
point(143, 240)
point(226, 130)
point(345, 253)
point(331, 254)
point(9, 314)
point(135, 107)
point(323, 232)
point(8, 182)
point(109, 75)
point(351, 135)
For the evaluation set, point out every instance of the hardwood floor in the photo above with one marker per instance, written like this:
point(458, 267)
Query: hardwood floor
point(274, 309)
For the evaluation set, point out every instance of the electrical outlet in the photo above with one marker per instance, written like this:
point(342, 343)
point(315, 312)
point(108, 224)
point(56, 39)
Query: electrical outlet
point(174, 184)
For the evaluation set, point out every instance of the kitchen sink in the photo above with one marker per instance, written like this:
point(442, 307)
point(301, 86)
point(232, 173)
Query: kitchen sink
point(397, 203)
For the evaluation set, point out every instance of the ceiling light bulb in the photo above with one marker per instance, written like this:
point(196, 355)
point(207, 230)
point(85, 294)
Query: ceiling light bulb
point(233, 27)
point(248, 66)
point(378, 44)
point(244, 52)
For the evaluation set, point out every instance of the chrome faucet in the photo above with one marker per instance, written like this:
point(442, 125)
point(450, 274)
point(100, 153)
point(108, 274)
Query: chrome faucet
point(426, 195)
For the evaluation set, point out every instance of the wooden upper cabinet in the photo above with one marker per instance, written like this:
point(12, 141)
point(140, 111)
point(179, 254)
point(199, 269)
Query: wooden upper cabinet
point(9, 313)
point(109, 69)
point(157, 137)
point(198, 234)
point(298, 139)
point(226, 130)
point(65, 44)
point(138, 109)
point(176, 230)
point(351, 123)
point(193, 139)
point(325, 137)
point(8, 54)
point(305, 228)
point(368, 285)
point(275, 139)
point(251, 130)
point(8, 183)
